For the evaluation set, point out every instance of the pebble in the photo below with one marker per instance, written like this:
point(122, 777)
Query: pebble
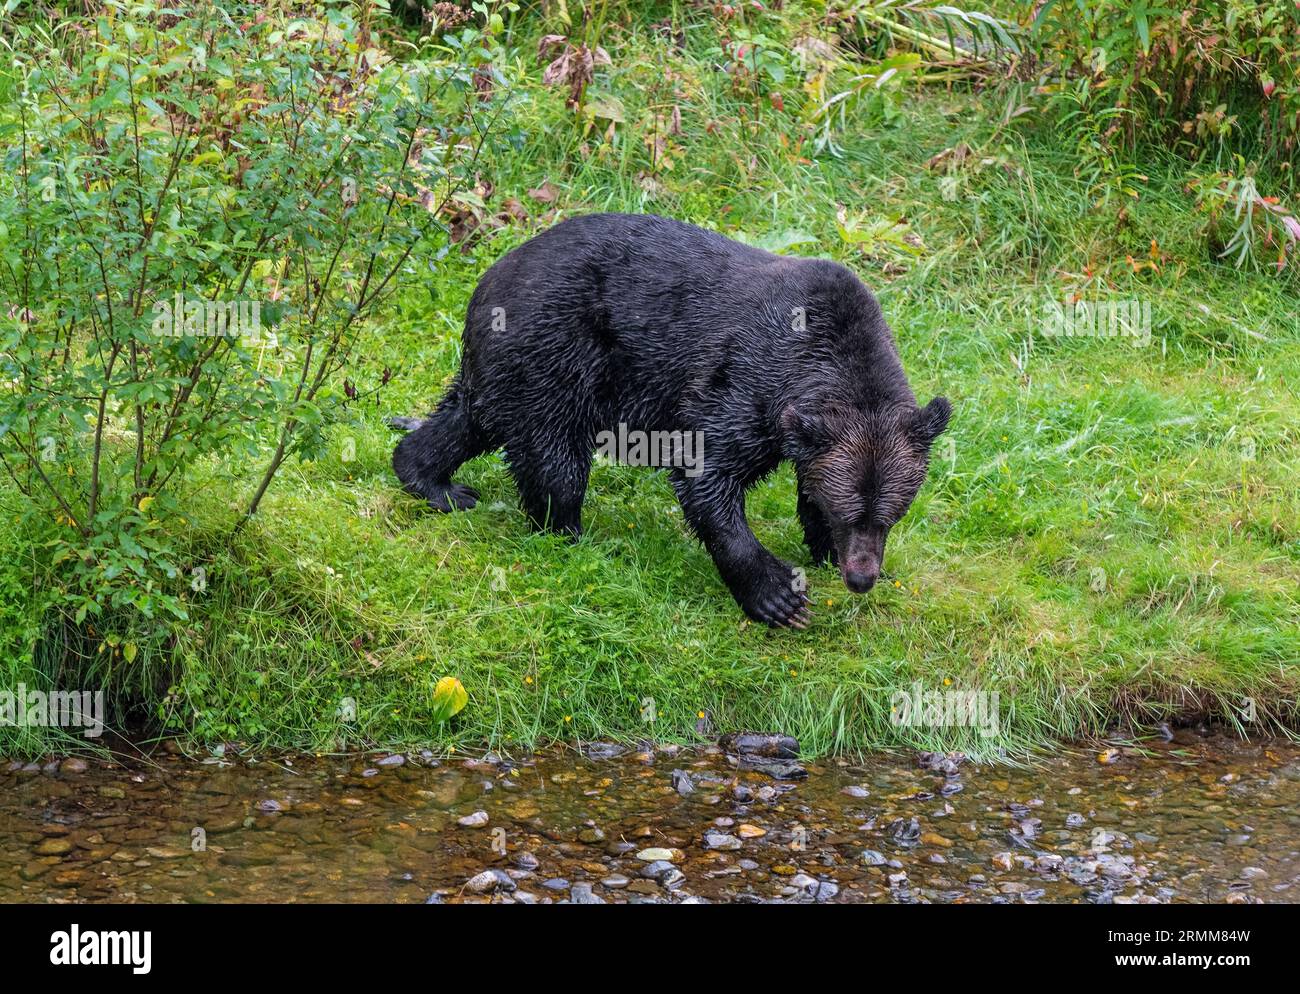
point(657, 870)
point(167, 852)
point(655, 855)
point(580, 893)
point(476, 820)
point(490, 881)
point(721, 841)
point(810, 888)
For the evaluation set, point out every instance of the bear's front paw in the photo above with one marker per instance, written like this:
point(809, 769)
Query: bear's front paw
point(774, 594)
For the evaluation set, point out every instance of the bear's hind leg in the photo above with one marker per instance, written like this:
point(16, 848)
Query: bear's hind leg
point(425, 459)
point(552, 481)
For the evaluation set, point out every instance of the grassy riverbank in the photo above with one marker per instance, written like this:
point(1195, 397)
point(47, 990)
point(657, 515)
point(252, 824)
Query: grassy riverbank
point(1113, 534)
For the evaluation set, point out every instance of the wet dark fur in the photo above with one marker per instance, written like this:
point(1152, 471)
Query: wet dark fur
point(663, 326)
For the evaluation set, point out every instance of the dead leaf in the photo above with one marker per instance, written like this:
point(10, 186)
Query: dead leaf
point(547, 193)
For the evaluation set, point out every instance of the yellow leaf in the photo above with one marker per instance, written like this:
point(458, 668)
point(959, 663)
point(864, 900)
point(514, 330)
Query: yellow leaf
point(448, 698)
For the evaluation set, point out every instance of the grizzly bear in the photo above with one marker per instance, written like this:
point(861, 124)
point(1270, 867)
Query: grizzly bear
point(636, 324)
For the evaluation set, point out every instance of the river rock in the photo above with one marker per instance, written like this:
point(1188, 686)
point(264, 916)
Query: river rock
point(490, 881)
point(580, 893)
point(771, 745)
point(33, 869)
point(657, 870)
point(655, 855)
point(811, 889)
point(721, 841)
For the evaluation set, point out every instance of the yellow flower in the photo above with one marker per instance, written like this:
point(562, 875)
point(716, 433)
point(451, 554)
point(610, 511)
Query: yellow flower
point(699, 714)
point(528, 679)
point(568, 718)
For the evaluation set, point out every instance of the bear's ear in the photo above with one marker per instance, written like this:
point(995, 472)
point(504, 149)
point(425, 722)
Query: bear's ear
point(929, 421)
point(805, 426)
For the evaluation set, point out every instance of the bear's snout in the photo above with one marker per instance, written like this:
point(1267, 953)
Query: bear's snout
point(861, 553)
point(859, 577)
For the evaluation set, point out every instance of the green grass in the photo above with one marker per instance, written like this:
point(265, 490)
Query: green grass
point(1068, 456)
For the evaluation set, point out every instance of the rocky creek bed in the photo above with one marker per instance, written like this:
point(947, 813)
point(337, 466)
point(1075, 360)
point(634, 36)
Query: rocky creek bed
point(1199, 818)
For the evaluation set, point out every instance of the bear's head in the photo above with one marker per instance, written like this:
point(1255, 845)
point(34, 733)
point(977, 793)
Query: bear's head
point(862, 470)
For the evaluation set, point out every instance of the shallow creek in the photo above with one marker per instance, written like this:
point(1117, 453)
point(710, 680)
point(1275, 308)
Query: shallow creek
point(1201, 818)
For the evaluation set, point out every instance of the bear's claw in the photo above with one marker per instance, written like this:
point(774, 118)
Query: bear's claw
point(774, 599)
point(453, 497)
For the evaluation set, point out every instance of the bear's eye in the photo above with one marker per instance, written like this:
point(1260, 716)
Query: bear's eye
point(892, 503)
point(885, 518)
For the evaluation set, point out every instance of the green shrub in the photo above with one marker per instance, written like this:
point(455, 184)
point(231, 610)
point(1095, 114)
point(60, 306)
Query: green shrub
point(200, 209)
